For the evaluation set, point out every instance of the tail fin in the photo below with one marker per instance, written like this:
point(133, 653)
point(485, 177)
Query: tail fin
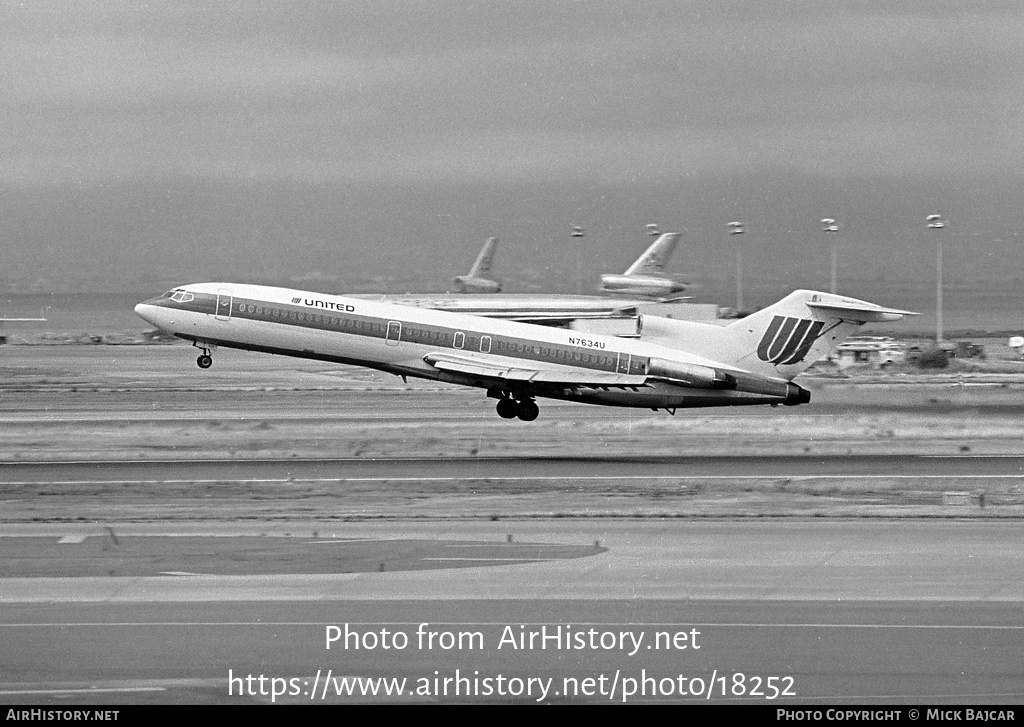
point(475, 282)
point(786, 338)
point(656, 256)
point(482, 266)
point(779, 341)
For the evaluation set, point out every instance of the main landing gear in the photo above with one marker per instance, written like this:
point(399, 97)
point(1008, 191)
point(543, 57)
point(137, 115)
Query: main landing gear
point(525, 408)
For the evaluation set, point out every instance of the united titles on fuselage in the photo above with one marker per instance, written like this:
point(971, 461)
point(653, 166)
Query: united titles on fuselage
point(331, 305)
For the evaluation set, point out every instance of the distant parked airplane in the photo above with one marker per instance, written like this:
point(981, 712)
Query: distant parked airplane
point(553, 308)
point(647, 275)
point(674, 364)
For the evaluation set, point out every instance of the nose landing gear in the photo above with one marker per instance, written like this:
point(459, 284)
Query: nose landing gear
point(205, 360)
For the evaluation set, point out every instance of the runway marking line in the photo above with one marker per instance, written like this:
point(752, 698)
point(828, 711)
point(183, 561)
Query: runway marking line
point(496, 560)
point(378, 460)
point(969, 456)
point(565, 478)
point(109, 686)
point(88, 690)
point(500, 624)
point(332, 541)
point(496, 544)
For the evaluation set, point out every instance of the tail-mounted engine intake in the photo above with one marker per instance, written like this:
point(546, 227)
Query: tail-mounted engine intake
point(703, 377)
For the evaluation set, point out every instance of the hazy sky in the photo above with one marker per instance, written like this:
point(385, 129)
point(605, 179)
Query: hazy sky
point(258, 140)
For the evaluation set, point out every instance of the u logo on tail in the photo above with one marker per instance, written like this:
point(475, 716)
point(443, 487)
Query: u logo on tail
point(788, 340)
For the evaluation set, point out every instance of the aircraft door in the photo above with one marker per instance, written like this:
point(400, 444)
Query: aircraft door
point(224, 301)
point(622, 367)
point(394, 334)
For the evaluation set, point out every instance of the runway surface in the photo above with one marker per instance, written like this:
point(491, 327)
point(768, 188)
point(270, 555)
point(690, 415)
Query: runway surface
point(176, 536)
point(782, 653)
point(561, 469)
point(852, 612)
point(649, 486)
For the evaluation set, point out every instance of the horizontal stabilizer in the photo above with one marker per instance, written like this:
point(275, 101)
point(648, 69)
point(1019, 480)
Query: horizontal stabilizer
point(857, 310)
point(489, 369)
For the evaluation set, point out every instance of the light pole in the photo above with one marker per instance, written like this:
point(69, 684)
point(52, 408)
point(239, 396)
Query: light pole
point(577, 231)
point(828, 225)
point(936, 222)
point(736, 228)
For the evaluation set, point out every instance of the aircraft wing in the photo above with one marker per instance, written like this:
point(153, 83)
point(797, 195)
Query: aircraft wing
point(523, 308)
point(538, 315)
point(474, 366)
point(549, 318)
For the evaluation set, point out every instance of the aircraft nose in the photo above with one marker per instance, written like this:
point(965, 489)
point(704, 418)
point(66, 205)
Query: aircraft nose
point(140, 311)
point(145, 311)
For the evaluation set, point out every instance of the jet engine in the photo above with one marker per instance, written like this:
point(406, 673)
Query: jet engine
point(469, 284)
point(646, 285)
point(703, 377)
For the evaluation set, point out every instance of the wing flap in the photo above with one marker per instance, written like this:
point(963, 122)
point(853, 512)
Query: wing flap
point(582, 377)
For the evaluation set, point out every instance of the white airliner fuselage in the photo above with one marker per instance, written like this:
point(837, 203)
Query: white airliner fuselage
point(751, 361)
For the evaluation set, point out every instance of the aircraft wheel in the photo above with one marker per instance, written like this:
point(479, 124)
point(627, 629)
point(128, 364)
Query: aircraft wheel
point(205, 361)
point(528, 410)
point(507, 408)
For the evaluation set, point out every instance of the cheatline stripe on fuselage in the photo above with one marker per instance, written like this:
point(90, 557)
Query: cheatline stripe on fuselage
point(350, 323)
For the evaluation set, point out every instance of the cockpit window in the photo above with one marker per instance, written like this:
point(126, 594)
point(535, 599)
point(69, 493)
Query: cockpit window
point(181, 296)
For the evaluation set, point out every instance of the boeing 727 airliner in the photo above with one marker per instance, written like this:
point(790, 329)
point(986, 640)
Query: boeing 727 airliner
point(674, 364)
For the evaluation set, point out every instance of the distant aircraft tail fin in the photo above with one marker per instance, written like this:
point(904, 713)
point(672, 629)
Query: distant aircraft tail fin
point(482, 267)
point(475, 281)
point(655, 257)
